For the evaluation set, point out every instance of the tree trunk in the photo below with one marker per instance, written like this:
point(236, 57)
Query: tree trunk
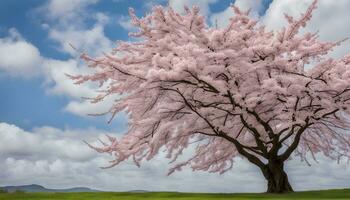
point(277, 179)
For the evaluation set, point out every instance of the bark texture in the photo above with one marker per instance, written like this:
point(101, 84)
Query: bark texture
point(277, 179)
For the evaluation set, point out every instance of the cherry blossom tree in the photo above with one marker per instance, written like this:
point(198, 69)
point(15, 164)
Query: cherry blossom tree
point(238, 91)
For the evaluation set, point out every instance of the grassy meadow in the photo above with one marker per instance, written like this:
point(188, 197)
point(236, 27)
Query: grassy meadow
point(324, 194)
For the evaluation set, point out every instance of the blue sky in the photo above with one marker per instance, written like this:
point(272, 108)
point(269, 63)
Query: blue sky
point(38, 100)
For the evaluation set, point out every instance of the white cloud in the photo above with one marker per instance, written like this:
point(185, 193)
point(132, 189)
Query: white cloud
point(254, 5)
point(67, 11)
point(84, 108)
point(222, 18)
point(46, 143)
point(67, 24)
point(59, 159)
point(125, 22)
point(74, 36)
point(22, 59)
point(88, 40)
point(60, 84)
point(330, 19)
point(59, 8)
point(65, 21)
point(150, 3)
point(178, 5)
point(19, 57)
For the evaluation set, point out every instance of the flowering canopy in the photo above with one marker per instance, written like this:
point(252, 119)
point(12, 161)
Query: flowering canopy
point(240, 90)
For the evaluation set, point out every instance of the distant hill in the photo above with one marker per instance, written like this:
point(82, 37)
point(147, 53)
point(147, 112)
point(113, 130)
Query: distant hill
point(138, 191)
point(39, 188)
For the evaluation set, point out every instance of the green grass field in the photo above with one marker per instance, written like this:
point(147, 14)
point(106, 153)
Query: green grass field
point(325, 194)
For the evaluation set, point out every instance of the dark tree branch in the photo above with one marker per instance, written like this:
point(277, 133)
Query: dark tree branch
point(296, 141)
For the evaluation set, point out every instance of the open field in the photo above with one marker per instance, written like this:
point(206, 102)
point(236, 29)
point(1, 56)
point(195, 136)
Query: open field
point(325, 194)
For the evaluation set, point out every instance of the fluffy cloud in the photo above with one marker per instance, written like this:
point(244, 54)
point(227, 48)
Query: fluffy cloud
point(66, 25)
point(69, 24)
point(59, 8)
point(178, 5)
point(85, 108)
point(150, 3)
point(125, 22)
point(59, 159)
point(222, 18)
point(254, 5)
point(19, 57)
point(57, 83)
point(22, 59)
point(66, 11)
point(74, 39)
point(46, 143)
point(330, 19)
point(69, 29)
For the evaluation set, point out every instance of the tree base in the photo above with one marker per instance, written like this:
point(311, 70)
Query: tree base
point(277, 179)
point(281, 187)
